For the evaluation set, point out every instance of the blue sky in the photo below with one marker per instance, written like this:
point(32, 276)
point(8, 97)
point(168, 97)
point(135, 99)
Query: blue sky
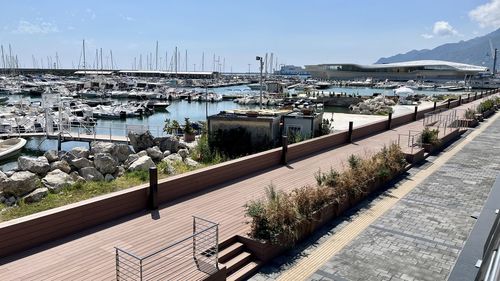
point(297, 32)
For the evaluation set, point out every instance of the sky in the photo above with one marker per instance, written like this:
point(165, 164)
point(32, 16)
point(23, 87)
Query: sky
point(296, 32)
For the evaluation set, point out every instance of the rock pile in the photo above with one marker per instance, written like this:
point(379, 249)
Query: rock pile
point(37, 176)
point(378, 105)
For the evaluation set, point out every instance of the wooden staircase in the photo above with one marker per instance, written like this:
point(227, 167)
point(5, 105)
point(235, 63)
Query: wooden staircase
point(239, 262)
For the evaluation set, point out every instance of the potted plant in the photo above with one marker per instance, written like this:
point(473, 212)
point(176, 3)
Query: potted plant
point(189, 133)
point(429, 139)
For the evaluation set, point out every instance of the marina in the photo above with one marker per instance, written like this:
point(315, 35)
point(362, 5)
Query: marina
point(48, 109)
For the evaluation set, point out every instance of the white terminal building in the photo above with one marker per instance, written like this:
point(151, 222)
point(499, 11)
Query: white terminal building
point(427, 70)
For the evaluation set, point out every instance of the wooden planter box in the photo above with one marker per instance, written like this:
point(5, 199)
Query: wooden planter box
point(469, 123)
point(430, 148)
point(266, 251)
point(416, 156)
point(189, 137)
point(488, 113)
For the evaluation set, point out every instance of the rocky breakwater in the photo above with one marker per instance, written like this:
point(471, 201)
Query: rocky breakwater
point(36, 177)
point(378, 105)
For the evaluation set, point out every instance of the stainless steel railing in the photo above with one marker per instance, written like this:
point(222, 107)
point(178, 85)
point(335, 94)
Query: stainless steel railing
point(192, 258)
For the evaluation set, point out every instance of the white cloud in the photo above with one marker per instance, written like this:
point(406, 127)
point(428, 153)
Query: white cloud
point(26, 27)
point(487, 15)
point(127, 18)
point(443, 28)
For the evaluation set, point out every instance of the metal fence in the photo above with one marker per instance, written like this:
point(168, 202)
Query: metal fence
point(442, 120)
point(410, 141)
point(192, 258)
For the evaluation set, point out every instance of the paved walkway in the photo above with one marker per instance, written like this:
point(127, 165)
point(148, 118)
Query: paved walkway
point(415, 231)
point(89, 255)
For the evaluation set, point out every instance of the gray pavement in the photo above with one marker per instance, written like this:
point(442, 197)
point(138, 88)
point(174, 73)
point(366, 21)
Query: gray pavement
point(421, 237)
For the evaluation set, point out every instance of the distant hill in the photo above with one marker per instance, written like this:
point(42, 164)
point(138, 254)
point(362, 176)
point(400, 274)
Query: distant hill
point(475, 51)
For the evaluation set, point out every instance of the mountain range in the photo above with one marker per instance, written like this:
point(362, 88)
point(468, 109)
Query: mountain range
point(476, 51)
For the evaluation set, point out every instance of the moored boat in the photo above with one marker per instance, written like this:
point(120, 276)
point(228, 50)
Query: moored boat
point(11, 147)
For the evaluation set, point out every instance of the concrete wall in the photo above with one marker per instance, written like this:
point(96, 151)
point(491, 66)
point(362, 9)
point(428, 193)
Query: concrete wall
point(27, 232)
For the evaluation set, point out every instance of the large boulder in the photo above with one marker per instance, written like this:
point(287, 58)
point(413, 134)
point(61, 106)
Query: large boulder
point(51, 155)
point(56, 180)
point(173, 158)
point(155, 153)
point(131, 159)
point(109, 177)
point(184, 153)
point(169, 143)
point(3, 180)
point(80, 152)
point(141, 141)
point(39, 165)
point(191, 163)
point(101, 147)
point(67, 156)
point(80, 163)
point(61, 165)
point(91, 174)
point(75, 176)
point(142, 164)
point(121, 151)
point(168, 168)
point(105, 163)
point(20, 183)
point(36, 195)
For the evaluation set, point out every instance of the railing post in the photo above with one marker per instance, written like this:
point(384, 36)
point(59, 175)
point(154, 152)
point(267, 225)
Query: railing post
point(117, 265)
point(481, 94)
point(59, 141)
point(153, 189)
point(468, 97)
point(435, 105)
point(475, 96)
point(415, 113)
point(459, 100)
point(389, 121)
point(284, 149)
point(140, 272)
point(449, 102)
point(349, 134)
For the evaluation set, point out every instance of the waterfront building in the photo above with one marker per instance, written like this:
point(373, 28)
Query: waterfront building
point(426, 70)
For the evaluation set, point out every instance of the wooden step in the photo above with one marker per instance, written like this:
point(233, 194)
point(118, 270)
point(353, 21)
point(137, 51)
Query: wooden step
point(245, 272)
point(237, 262)
point(230, 252)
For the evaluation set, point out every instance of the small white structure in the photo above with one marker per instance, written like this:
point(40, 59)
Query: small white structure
point(404, 93)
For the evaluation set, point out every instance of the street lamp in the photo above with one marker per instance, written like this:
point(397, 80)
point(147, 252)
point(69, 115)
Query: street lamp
point(260, 78)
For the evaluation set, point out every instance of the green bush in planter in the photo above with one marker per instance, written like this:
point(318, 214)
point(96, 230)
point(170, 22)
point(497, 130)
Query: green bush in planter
point(430, 136)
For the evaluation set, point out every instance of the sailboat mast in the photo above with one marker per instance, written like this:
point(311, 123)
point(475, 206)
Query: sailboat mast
point(175, 60)
point(156, 56)
point(112, 63)
point(84, 55)
point(186, 60)
point(3, 57)
point(203, 61)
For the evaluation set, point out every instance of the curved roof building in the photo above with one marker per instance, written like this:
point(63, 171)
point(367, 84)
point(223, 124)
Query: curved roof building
point(411, 70)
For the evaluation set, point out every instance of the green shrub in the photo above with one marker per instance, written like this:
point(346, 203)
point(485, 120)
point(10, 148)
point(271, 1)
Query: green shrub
point(470, 113)
point(430, 136)
point(277, 217)
point(354, 161)
point(486, 105)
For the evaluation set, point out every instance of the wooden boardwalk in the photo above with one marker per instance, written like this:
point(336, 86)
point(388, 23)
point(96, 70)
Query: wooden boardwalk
point(89, 255)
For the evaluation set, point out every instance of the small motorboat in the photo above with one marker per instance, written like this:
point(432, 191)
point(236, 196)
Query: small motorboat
point(11, 147)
